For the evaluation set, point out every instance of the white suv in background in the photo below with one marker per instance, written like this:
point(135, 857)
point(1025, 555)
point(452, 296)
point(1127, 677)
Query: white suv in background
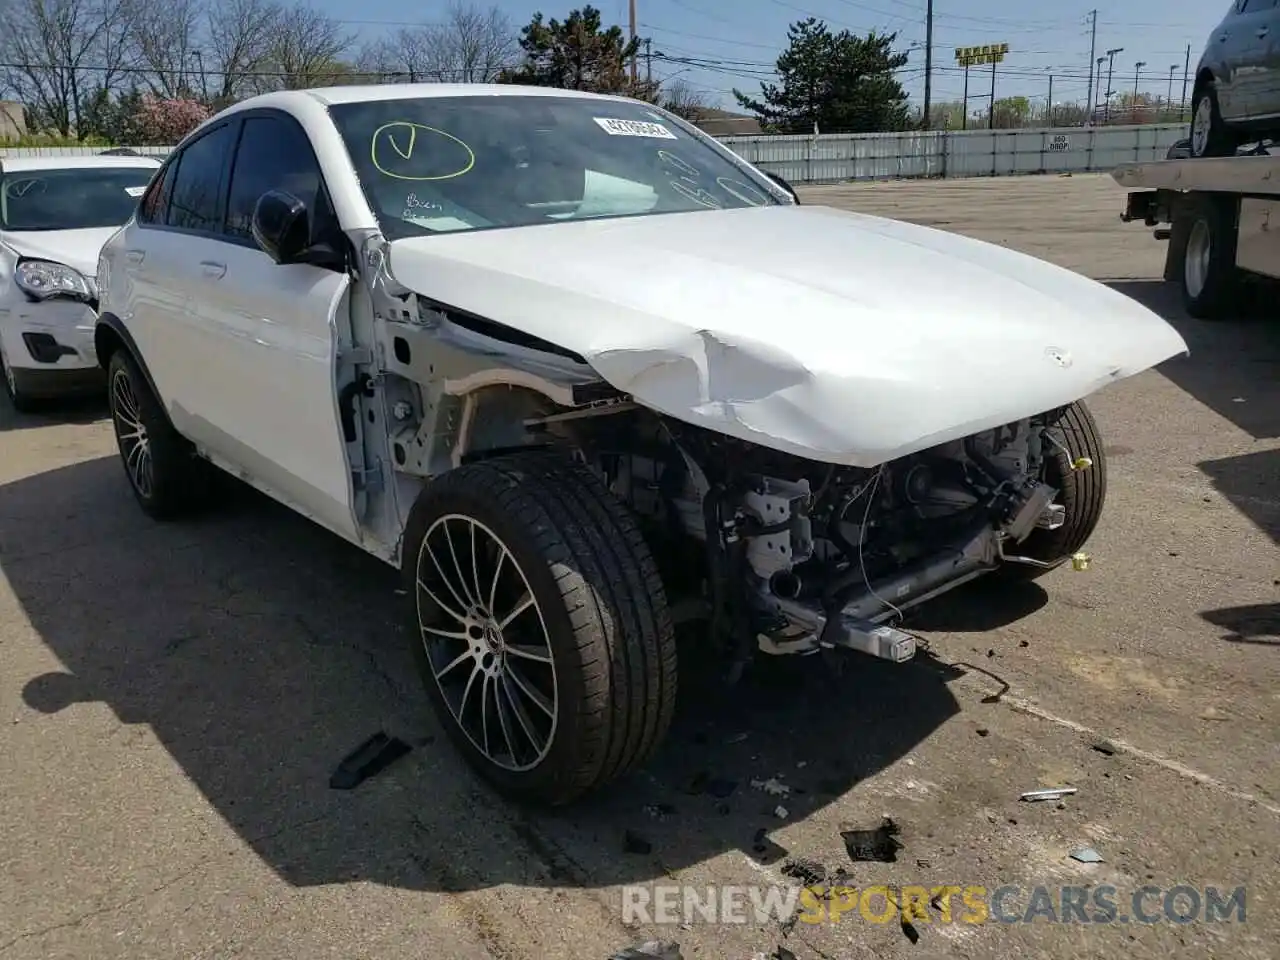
point(55, 215)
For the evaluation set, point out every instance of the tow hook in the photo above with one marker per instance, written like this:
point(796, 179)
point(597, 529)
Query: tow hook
point(1077, 463)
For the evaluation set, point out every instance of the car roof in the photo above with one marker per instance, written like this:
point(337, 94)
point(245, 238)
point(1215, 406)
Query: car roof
point(96, 162)
point(413, 91)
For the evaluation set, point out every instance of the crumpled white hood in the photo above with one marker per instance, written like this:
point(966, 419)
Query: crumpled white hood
point(78, 249)
point(831, 335)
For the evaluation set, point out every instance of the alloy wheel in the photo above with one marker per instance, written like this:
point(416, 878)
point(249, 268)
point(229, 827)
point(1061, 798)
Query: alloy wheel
point(1201, 125)
point(131, 432)
point(486, 642)
point(1198, 258)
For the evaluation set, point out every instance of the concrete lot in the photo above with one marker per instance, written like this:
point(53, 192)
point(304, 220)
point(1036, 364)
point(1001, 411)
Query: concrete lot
point(174, 698)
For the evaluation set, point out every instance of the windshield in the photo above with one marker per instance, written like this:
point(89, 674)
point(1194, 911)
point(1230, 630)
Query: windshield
point(74, 199)
point(444, 164)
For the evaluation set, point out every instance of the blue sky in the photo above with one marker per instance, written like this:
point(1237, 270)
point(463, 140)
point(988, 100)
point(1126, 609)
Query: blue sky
point(737, 42)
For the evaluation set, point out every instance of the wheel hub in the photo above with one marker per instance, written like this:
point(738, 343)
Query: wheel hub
point(487, 646)
point(1200, 125)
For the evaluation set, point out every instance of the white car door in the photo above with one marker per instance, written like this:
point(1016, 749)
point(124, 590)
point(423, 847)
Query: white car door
point(266, 338)
point(160, 254)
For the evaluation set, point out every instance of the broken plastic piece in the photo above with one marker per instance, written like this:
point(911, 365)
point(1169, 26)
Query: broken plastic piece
point(652, 950)
point(1080, 561)
point(1050, 793)
point(1087, 855)
point(1081, 463)
point(367, 760)
point(880, 844)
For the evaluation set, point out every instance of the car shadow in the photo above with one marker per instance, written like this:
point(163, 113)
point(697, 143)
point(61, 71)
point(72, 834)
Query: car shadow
point(261, 650)
point(984, 605)
point(1254, 623)
point(1234, 369)
point(87, 409)
point(1234, 366)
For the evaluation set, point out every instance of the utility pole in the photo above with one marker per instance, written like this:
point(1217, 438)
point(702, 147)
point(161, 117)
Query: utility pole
point(1050, 110)
point(1111, 64)
point(1186, 74)
point(1137, 72)
point(991, 120)
point(1093, 52)
point(635, 54)
point(964, 114)
point(928, 63)
point(648, 61)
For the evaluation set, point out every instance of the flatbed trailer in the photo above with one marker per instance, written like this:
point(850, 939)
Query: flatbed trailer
point(1221, 217)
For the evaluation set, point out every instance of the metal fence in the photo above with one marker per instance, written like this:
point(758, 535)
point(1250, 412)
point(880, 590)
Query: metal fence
point(833, 158)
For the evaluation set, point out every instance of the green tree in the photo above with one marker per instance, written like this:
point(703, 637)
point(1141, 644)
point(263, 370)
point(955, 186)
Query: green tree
point(577, 54)
point(841, 82)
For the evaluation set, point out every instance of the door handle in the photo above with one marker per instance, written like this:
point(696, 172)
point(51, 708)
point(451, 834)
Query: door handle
point(213, 270)
point(134, 257)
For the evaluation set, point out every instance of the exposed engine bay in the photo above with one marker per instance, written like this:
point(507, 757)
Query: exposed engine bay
point(799, 555)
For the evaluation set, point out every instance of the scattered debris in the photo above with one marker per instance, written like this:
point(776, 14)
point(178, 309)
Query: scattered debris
point(1212, 713)
point(367, 760)
point(781, 812)
point(659, 811)
point(632, 842)
point(809, 872)
point(660, 949)
point(880, 844)
point(801, 764)
point(782, 953)
point(773, 786)
point(1024, 643)
point(1087, 855)
point(1050, 793)
point(736, 738)
point(991, 653)
point(909, 930)
point(923, 862)
point(1105, 747)
point(765, 850)
point(982, 731)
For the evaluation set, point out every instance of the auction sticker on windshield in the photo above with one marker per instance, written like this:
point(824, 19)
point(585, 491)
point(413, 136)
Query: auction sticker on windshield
point(633, 128)
point(135, 191)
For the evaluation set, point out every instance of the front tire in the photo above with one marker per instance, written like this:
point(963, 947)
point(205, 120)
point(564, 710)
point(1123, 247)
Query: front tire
point(20, 400)
point(1082, 493)
point(539, 625)
point(168, 479)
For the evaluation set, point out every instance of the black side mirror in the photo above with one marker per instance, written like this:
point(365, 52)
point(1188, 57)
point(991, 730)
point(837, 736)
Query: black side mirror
point(281, 226)
point(784, 185)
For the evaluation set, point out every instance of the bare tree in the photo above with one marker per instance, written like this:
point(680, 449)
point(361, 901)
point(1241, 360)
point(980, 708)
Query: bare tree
point(682, 100)
point(239, 35)
point(165, 35)
point(470, 45)
point(305, 50)
point(60, 55)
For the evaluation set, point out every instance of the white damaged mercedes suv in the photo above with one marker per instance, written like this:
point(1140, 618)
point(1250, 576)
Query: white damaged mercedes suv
point(582, 374)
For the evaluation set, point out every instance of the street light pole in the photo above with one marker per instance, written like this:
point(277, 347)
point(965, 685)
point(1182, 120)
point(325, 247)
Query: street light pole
point(1169, 99)
point(1137, 72)
point(1094, 109)
point(1111, 64)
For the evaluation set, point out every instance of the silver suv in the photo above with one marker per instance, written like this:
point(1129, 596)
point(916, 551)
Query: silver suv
point(1237, 89)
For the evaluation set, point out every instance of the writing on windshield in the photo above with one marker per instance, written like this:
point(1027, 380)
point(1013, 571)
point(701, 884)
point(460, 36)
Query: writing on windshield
point(75, 199)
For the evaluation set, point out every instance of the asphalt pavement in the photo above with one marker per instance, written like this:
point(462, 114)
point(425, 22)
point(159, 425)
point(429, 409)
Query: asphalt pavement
point(174, 698)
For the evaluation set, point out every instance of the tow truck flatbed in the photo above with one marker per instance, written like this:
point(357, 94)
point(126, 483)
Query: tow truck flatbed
point(1224, 223)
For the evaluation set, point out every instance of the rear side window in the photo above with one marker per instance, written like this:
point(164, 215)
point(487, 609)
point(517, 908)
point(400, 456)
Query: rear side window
point(196, 201)
point(155, 205)
point(274, 154)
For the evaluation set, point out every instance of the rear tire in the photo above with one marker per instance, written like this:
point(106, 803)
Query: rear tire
point(591, 690)
point(1210, 136)
point(1082, 493)
point(166, 475)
